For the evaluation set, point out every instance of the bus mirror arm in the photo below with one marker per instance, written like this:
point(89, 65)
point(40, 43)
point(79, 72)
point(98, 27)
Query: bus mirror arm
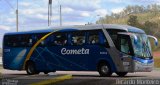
point(130, 34)
point(155, 39)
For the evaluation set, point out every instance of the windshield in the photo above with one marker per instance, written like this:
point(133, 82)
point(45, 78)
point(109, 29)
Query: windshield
point(142, 47)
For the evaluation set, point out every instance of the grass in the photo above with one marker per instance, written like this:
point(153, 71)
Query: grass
point(157, 62)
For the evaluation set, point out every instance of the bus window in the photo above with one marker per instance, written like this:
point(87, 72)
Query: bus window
point(125, 44)
point(60, 39)
point(33, 39)
point(103, 40)
point(93, 37)
point(6, 41)
point(78, 38)
point(114, 34)
point(12, 41)
point(50, 40)
point(39, 36)
point(30, 42)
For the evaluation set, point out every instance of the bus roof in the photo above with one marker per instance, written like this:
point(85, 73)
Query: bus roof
point(84, 27)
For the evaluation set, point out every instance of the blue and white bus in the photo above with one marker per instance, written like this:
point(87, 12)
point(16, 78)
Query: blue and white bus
point(107, 48)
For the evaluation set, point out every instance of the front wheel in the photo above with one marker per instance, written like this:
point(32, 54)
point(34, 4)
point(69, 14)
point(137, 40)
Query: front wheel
point(121, 74)
point(30, 68)
point(104, 70)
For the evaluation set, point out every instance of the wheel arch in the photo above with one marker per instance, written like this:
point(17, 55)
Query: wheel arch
point(108, 62)
point(27, 62)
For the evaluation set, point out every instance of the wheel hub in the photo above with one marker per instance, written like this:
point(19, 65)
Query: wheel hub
point(104, 69)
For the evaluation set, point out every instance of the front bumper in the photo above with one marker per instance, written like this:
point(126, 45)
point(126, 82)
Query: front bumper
point(143, 65)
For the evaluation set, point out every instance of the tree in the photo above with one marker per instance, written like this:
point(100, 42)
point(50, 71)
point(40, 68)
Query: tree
point(150, 27)
point(132, 20)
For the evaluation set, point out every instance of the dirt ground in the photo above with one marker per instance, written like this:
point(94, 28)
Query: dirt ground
point(156, 59)
point(156, 54)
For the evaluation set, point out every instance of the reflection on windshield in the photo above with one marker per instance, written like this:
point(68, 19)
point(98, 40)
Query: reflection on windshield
point(142, 47)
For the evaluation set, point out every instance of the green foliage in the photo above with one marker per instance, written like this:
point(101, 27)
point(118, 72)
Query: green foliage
point(146, 18)
point(132, 20)
point(150, 27)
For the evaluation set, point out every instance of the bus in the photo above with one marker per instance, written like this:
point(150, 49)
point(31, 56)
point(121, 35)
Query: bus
point(106, 48)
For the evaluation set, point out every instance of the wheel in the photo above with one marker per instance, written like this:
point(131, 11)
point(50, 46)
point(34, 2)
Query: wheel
point(104, 70)
point(37, 72)
point(121, 74)
point(30, 68)
point(46, 72)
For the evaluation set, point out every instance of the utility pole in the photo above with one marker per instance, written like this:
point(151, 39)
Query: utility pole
point(49, 12)
point(17, 17)
point(60, 16)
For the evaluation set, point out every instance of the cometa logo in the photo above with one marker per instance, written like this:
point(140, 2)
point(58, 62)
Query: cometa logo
point(65, 51)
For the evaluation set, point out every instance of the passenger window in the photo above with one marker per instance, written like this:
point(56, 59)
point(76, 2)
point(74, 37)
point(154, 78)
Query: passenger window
point(93, 37)
point(39, 36)
point(103, 40)
point(78, 38)
point(22, 40)
point(60, 39)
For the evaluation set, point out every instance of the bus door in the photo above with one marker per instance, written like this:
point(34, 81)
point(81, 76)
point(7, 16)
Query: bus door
point(126, 51)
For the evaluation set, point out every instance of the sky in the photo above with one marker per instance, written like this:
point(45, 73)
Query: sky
point(33, 14)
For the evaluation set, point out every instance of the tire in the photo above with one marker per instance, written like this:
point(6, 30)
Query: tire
point(104, 70)
point(30, 68)
point(37, 72)
point(121, 74)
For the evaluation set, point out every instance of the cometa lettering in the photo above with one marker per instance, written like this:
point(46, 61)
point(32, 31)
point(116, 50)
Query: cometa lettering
point(65, 51)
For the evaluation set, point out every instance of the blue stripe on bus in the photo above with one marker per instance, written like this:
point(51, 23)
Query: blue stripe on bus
point(148, 61)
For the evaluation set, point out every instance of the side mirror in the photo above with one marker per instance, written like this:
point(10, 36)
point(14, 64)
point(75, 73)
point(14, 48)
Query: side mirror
point(135, 38)
point(155, 39)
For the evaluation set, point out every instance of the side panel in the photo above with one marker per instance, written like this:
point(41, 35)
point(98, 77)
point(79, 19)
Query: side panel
point(54, 58)
point(13, 58)
point(85, 58)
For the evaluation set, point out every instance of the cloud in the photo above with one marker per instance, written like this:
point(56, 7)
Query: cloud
point(3, 27)
point(25, 4)
point(67, 10)
point(33, 11)
point(116, 1)
point(45, 17)
point(85, 14)
point(73, 23)
point(82, 5)
point(11, 20)
point(117, 10)
point(101, 12)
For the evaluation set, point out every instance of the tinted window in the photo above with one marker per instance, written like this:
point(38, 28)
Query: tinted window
point(93, 37)
point(57, 39)
point(60, 39)
point(78, 38)
point(36, 37)
point(114, 34)
point(97, 37)
point(23, 40)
